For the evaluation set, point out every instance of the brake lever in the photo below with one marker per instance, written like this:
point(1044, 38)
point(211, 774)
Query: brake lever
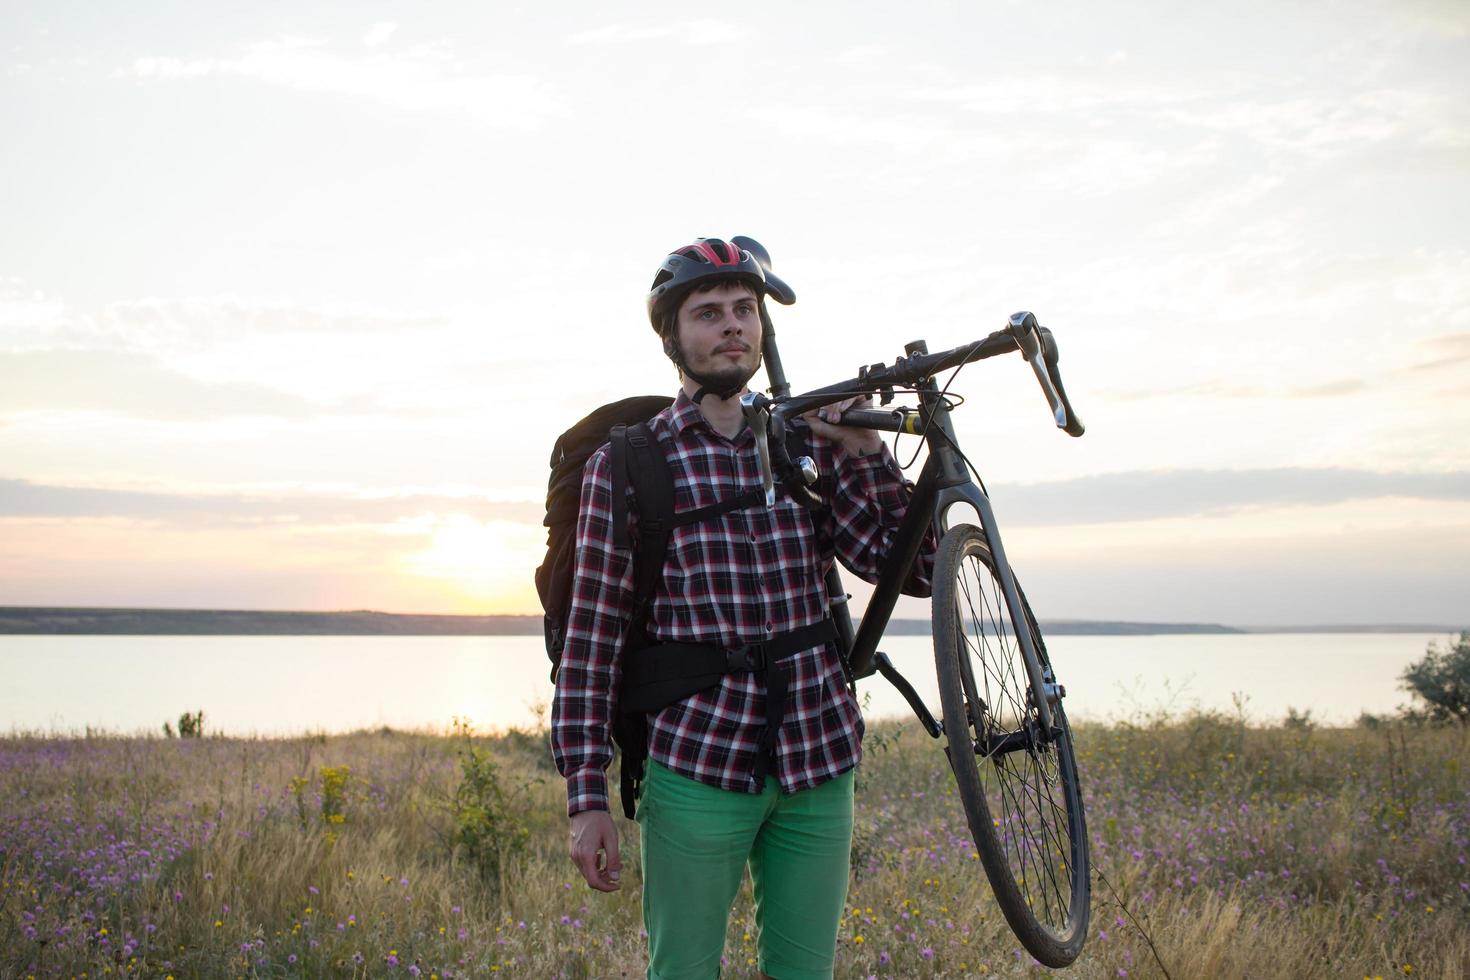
point(756, 409)
point(1038, 347)
point(798, 475)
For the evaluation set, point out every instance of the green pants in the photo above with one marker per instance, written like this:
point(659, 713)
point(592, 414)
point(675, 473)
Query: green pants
point(697, 840)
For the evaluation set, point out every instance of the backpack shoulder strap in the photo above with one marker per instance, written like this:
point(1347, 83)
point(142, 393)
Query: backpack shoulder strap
point(617, 444)
point(638, 461)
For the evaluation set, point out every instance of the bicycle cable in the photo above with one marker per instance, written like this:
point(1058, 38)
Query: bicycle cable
point(929, 419)
point(973, 468)
point(950, 403)
point(1134, 919)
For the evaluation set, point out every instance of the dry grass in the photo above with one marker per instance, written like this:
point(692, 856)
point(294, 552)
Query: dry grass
point(1242, 852)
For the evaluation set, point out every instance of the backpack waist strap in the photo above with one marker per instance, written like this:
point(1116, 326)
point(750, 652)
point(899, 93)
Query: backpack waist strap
point(656, 676)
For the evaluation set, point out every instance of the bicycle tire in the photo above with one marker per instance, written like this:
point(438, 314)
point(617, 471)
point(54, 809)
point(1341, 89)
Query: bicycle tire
point(1019, 789)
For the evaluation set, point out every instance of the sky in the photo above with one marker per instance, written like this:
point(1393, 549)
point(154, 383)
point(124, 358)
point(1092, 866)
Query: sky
point(294, 299)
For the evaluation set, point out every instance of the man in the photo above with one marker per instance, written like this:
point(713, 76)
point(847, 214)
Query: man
point(724, 787)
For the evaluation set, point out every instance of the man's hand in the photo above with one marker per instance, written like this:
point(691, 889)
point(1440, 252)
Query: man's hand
point(595, 849)
point(857, 442)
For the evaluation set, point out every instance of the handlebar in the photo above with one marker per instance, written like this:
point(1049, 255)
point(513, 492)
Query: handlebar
point(1022, 332)
point(769, 417)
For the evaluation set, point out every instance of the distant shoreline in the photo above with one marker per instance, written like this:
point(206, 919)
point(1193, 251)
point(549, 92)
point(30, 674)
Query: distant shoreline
point(99, 621)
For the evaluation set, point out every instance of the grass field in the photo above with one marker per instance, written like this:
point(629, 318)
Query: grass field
point(1241, 852)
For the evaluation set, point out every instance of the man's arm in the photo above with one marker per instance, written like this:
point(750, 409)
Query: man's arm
point(869, 498)
point(588, 677)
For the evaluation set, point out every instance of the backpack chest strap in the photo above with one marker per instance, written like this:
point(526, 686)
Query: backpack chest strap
point(740, 501)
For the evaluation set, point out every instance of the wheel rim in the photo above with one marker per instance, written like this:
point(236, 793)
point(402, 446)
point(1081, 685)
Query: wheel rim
point(1019, 767)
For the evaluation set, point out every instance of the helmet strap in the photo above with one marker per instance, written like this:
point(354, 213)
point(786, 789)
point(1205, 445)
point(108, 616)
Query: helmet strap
point(722, 388)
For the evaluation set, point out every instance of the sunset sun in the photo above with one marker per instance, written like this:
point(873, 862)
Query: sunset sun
point(484, 567)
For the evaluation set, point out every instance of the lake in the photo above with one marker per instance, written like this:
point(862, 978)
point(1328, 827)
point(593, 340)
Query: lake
point(278, 685)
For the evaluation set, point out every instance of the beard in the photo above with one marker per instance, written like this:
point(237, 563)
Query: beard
point(719, 377)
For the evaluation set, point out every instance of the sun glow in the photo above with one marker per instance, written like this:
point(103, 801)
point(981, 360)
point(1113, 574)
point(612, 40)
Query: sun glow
point(485, 566)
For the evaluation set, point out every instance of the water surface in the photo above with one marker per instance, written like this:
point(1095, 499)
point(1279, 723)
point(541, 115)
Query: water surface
point(275, 685)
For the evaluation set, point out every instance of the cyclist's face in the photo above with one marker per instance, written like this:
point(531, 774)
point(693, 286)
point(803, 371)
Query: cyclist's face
point(720, 332)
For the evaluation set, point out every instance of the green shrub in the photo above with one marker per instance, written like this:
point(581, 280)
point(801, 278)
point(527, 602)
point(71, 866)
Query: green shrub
point(488, 820)
point(190, 726)
point(1442, 682)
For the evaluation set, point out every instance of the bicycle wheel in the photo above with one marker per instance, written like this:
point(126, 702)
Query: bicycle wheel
point(1018, 783)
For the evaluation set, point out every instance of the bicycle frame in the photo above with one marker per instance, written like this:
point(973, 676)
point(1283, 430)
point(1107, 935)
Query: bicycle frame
point(943, 482)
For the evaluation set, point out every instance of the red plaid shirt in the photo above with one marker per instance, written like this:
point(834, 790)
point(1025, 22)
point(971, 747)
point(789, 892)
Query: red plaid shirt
point(740, 578)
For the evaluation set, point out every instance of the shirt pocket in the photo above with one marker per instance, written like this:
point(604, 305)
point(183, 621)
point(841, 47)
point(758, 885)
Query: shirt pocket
point(788, 543)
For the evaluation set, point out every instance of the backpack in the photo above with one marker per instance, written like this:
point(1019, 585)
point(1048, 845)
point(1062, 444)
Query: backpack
point(564, 500)
point(654, 675)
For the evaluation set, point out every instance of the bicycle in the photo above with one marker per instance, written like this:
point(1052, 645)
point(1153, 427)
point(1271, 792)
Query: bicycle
point(1006, 732)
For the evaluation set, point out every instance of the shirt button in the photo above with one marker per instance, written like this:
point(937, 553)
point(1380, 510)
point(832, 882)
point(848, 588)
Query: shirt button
point(769, 627)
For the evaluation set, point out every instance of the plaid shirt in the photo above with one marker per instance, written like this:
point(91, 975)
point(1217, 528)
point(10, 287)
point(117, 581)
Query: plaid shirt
point(740, 578)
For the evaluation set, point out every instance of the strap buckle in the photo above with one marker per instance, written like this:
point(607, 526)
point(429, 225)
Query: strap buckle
point(745, 658)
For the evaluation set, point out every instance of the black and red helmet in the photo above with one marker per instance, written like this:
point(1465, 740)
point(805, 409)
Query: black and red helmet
point(709, 258)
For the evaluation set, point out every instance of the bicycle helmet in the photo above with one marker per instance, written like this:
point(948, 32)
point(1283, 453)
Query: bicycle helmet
point(705, 259)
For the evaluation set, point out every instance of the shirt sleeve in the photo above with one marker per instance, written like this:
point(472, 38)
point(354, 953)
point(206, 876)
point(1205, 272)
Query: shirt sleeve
point(590, 671)
point(869, 499)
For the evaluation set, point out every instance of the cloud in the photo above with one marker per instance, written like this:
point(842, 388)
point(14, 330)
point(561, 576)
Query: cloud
point(1105, 130)
point(697, 32)
point(25, 499)
point(1332, 389)
point(1445, 351)
point(1110, 498)
point(618, 34)
point(131, 384)
point(1044, 140)
point(168, 69)
point(423, 78)
point(379, 34)
point(1047, 93)
point(907, 134)
point(1145, 495)
point(1234, 196)
point(1317, 124)
point(860, 54)
point(22, 309)
point(188, 324)
point(1452, 349)
point(1212, 388)
point(211, 357)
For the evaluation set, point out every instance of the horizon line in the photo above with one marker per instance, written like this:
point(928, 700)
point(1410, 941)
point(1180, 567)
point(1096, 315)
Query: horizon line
point(1062, 624)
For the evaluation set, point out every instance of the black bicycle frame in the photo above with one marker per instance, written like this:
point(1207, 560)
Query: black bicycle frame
point(944, 481)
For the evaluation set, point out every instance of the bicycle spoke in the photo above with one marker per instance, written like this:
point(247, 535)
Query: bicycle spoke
point(1031, 812)
point(1043, 837)
point(1017, 779)
point(1030, 851)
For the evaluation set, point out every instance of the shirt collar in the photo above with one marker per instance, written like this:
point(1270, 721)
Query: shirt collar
point(686, 414)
